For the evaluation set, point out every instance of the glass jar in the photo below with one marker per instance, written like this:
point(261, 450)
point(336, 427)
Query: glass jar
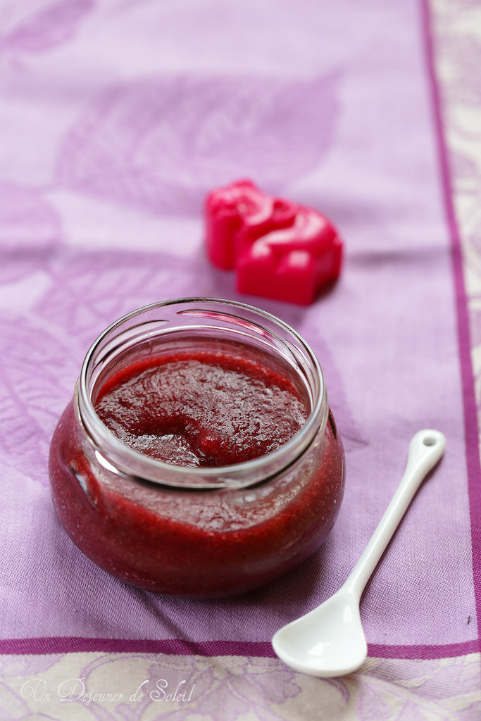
point(201, 532)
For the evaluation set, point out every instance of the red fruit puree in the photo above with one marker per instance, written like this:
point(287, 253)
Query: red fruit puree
point(197, 408)
point(209, 409)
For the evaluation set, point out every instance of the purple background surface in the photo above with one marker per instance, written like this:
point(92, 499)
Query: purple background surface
point(106, 151)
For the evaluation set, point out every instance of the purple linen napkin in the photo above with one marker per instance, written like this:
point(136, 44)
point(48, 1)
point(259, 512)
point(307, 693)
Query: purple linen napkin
point(116, 120)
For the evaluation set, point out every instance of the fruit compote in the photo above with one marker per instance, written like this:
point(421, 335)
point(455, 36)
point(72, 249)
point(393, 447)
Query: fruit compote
point(201, 408)
point(198, 456)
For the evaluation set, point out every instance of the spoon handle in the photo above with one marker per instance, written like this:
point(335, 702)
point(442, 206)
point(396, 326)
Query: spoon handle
point(425, 450)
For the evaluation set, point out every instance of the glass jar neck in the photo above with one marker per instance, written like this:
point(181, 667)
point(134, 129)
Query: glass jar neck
point(176, 325)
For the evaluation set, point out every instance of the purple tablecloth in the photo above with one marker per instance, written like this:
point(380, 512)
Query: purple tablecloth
point(115, 119)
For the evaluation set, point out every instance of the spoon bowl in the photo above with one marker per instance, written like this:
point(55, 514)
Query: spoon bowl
point(330, 641)
point(339, 649)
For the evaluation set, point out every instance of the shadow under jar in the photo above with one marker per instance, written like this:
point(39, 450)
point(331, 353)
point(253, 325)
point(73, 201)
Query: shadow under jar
point(203, 383)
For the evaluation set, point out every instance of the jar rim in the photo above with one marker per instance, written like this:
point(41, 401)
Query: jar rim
point(118, 457)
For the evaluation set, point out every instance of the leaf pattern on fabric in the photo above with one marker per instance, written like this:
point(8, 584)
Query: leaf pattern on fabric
point(161, 144)
point(37, 373)
point(232, 688)
point(48, 25)
point(29, 229)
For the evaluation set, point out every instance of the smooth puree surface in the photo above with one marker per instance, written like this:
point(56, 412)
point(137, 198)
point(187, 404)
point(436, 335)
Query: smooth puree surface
point(201, 408)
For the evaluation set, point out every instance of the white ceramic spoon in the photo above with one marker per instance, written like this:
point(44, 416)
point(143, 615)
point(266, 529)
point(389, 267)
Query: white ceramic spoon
point(330, 641)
